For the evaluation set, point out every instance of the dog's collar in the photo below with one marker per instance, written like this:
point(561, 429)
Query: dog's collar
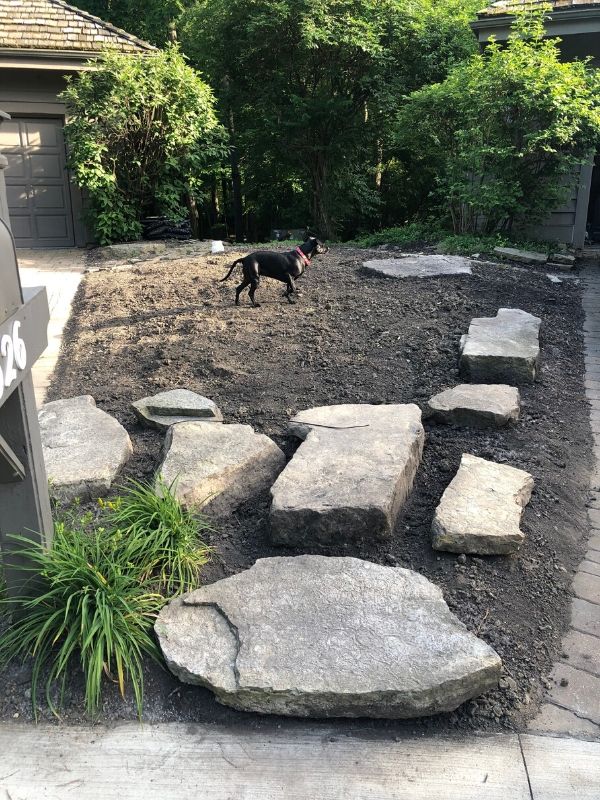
point(303, 256)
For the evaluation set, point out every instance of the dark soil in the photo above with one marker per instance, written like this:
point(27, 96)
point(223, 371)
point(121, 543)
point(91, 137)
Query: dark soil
point(352, 338)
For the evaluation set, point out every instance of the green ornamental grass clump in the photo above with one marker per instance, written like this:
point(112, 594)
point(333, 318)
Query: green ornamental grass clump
point(94, 595)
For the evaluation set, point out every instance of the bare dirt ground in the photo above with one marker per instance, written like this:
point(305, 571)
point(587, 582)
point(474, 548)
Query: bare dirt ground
point(352, 338)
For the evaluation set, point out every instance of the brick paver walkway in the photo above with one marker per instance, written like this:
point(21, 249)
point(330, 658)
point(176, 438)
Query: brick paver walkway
point(573, 703)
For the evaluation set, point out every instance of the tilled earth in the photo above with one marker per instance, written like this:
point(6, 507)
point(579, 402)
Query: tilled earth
point(352, 338)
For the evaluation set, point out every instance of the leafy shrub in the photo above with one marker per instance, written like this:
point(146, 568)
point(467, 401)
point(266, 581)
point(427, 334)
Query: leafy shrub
point(501, 139)
point(410, 234)
point(142, 132)
point(150, 521)
point(94, 596)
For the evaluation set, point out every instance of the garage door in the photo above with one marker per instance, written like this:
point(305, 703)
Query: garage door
point(37, 184)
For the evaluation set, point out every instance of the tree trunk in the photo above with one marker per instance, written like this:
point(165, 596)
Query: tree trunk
point(236, 185)
point(193, 214)
point(320, 212)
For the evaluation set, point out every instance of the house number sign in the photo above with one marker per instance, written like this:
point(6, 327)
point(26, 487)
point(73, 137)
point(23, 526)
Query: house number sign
point(13, 352)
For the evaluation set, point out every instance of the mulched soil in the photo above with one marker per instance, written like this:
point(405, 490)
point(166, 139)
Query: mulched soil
point(352, 338)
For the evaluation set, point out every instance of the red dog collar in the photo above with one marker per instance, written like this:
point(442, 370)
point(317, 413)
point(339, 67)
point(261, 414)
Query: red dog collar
point(303, 256)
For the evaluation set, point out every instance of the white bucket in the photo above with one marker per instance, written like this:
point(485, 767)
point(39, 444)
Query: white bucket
point(217, 247)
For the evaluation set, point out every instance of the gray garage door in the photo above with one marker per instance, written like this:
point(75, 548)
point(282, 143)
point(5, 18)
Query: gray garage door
point(39, 200)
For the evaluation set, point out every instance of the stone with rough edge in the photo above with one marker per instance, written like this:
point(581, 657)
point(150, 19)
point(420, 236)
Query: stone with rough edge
point(524, 256)
point(217, 467)
point(84, 447)
point(313, 636)
point(480, 511)
point(419, 266)
point(173, 406)
point(350, 477)
point(501, 349)
point(482, 405)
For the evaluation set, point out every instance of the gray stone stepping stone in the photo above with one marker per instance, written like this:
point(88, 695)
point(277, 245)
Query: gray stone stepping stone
point(84, 447)
point(326, 637)
point(524, 256)
point(217, 467)
point(501, 349)
point(481, 509)
point(350, 477)
point(175, 405)
point(477, 405)
point(420, 266)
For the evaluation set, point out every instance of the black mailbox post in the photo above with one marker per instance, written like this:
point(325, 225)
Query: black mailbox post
point(24, 501)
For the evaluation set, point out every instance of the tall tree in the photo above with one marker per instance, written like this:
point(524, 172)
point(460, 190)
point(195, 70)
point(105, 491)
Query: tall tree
point(309, 89)
point(151, 20)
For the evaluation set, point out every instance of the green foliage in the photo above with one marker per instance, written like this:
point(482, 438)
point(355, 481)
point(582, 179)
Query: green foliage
point(309, 91)
point(416, 234)
point(142, 516)
point(142, 132)
point(413, 233)
point(150, 20)
point(94, 596)
point(500, 139)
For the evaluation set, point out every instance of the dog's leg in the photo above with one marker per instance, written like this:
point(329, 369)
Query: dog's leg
point(290, 290)
point(240, 289)
point(253, 287)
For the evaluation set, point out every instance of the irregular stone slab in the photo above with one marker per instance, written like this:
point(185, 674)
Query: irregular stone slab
point(524, 256)
point(173, 406)
point(84, 447)
point(481, 509)
point(217, 467)
point(351, 476)
point(476, 405)
point(563, 258)
point(502, 349)
point(419, 266)
point(326, 637)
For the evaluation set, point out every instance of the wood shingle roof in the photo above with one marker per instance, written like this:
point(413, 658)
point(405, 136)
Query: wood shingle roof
point(54, 25)
point(507, 7)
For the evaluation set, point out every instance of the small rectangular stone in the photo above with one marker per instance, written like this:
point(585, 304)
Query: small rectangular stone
point(594, 517)
point(593, 556)
point(594, 541)
point(591, 567)
point(585, 616)
point(552, 719)
point(580, 694)
point(583, 651)
point(587, 587)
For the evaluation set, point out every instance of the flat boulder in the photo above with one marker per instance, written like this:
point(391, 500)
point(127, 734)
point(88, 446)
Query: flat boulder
point(84, 447)
point(476, 405)
point(419, 266)
point(175, 405)
point(350, 477)
point(524, 256)
point(502, 349)
point(480, 511)
point(217, 467)
point(326, 637)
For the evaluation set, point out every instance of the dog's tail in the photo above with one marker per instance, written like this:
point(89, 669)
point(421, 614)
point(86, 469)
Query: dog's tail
point(233, 266)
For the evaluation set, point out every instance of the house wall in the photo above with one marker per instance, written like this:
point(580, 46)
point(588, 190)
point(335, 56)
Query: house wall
point(34, 93)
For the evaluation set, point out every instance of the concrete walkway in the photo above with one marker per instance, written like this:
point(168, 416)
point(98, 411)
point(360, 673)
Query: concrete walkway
point(204, 762)
point(60, 271)
point(573, 704)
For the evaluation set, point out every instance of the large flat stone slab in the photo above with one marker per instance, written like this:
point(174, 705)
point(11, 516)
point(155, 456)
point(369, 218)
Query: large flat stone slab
point(217, 467)
point(326, 637)
point(175, 405)
point(502, 349)
point(84, 447)
point(419, 266)
point(350, 477)
point(481, 509)
point(478, 405)
point(524, 256)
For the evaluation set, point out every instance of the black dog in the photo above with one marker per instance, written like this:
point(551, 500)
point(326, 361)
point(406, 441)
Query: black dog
point(284, 267)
